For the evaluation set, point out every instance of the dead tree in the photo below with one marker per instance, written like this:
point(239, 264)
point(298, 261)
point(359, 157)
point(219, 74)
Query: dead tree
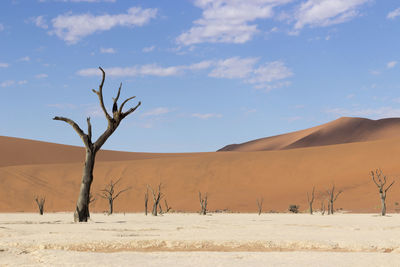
point(259, 205)
point(203, 204)
point(110, 194)
point(146, 200)
point(332, 198)
point(40, 203)
point(82, 206)
point(167, 208)
point(156, 199)
point(323, 206)
point(311, 200)
point(380, 180)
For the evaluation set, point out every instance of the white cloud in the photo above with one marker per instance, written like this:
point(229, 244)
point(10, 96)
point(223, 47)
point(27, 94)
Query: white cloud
point(269, 75)
point(228, 21)
point(25, 59)
point(391, 64)
point(148, 49)
point(270, 72)
point(393, 14)
point(3, 65)
point(156, 112)
point(40, 22)
point(9, 83)
point(1, 27)
point(78, 1)
point(151, 70)
point(374, 113)
point(375, 72)
point(107, 50)
point(205, 116)
point(318, 13)
point(234, 67)
point(72, 28)
point(41, 76)
point(62, 106)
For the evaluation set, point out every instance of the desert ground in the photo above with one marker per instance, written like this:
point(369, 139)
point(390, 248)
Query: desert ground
point(28, 239)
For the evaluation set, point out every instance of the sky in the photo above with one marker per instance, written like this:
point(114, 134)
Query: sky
point(208, 72)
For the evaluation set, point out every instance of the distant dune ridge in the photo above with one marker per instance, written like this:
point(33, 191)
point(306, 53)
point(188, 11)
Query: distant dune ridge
point(281, 169)
point(340, 131)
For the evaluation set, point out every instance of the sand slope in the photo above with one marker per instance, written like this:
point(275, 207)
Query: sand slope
point(233, 180)
point(340, 131)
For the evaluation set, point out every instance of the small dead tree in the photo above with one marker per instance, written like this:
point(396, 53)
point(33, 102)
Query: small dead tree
point(110, 194)
point(332, 198)
point(156, 198)
point(146, 200)
point(323, 206)
point(380, 180)
point(167, 208)
point(203, 204)
point(311, 200)
point(40, 203)
point(259, 205)
point(82, 206)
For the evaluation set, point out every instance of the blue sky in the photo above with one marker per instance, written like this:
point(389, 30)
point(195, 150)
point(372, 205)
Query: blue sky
point(208, 73)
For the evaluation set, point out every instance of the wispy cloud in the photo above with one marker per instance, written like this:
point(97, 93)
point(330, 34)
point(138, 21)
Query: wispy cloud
point(157, 112)
point(9, 83)
point(40, 22)
point(1, 27)
point(24, 59)
point(41, 76)
point(62, 106)
point(269, 75)
point(79, 1)
point(317, 13)
point(4, 65)
point(205, 116)
point(394, 14)
point(374, 113)
point(107, 50)
point(72, 28)
point(227, 21)
point(391, 64)
point(148, 49)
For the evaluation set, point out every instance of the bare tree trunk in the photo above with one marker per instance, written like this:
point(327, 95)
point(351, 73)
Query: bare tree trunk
point(322, 207)
point(311, 200)
point(203, 204)
point(259, 205)
point(40, 202)
point(146, 200)
point(383, 201)
point(82, 206)
point(380, 181)
point(111, 206)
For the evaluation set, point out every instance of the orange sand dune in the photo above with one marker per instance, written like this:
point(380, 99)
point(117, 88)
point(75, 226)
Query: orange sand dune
point(233, 180)
point(340, 131)
point(18, 151)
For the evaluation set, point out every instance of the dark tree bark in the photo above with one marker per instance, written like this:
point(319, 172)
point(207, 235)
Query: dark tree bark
point(311, 200)
point(146, 200)
point(332, 198)
point(40, 203)
point(156, 199)
point(203, 204)
point(259, 205)
point(167, 208)
point(82, 206)
point(110, 195)
point(380, 181)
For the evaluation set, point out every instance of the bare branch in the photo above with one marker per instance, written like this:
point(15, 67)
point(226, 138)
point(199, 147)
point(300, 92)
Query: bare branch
point(126, 189)
point(100, 95)
point(77, 129)
point(389, 186)
point(123, 104)
point(89, 129)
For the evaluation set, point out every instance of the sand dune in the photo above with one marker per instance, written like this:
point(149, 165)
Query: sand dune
point(340, 131)
point(233, 180)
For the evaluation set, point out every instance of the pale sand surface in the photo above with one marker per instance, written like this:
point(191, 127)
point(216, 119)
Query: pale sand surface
point(194, 240)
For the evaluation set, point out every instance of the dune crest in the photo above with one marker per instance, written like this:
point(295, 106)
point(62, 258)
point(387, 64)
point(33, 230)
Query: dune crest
point(340, 131)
